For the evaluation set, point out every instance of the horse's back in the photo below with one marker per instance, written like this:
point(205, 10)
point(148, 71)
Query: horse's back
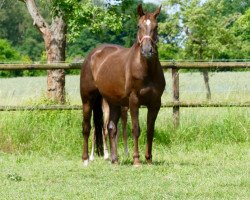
point(106, 64)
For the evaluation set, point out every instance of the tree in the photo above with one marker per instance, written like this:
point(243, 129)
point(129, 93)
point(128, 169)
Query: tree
point(16, 27)
point(204, 28)
point(67, 16)
point(9, 54)
point(241, 30)
point(126, 37)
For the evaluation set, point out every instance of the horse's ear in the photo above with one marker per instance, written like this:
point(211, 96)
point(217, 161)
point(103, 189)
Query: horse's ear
point(140, 10)
point(157, 12)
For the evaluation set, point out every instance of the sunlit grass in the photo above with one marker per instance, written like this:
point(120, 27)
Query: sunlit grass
point(220, 172)
point(49, 132)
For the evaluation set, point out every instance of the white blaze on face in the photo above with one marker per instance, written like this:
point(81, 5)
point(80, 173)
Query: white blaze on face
point(147, 22)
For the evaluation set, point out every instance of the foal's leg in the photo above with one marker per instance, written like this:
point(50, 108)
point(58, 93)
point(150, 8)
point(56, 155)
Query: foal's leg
point(105, 108)
point(87, 110)
point(151, 117)
point(134, 112)
point(114, 116)
point(91, 157)
point(124, 119)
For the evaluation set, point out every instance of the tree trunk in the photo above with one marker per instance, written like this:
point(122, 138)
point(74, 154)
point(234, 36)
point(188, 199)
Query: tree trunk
point(206, 80)
point(55, 48)
point(55, 42)
point(205, 75)
point(204, 72)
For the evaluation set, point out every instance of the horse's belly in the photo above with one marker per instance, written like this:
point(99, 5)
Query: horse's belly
point(110, 89)
point(112, 86)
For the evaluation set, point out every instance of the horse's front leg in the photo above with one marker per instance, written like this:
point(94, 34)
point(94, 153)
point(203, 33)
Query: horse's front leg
point(151, 117)
point(114, 116)
point(134, 112)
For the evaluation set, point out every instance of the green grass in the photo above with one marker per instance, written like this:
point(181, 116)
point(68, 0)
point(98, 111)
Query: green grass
point(49, 132)
point(220, 172)
point(206, 158)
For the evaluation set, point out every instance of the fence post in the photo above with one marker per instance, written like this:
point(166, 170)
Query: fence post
point(176, 106)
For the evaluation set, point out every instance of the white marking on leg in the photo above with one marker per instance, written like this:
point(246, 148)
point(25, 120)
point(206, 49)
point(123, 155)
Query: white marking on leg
point(111, 125)
point(85, 163)
point(106, 154)
point(105, 108)
point(105, 147)
point(91, 158)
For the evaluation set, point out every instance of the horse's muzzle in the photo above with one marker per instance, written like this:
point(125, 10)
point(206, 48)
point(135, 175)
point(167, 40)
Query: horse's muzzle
point(147, 51)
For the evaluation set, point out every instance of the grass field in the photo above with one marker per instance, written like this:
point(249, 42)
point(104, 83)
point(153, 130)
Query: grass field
point(220, 172)
point(208, 157)
point(225, 86)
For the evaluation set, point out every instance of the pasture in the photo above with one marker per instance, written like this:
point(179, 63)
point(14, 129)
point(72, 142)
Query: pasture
point(206, 158)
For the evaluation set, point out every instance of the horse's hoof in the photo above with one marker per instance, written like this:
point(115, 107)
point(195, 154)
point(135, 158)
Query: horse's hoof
point(106, 156)
point(91, 158)
point(149, 161)
point(85, 163)
point(137, 162)
point(114, 162)
point(137, 165)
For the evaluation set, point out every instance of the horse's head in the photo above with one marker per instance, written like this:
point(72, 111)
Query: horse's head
point(147, 31)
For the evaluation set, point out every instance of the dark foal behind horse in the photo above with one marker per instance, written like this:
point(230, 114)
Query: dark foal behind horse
point(124, 77)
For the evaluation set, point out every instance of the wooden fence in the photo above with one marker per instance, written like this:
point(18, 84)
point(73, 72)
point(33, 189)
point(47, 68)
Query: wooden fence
point(174, 66)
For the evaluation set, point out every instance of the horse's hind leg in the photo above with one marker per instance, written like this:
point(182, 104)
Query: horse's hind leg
point(124, 119)
point(87, 110)
point(115, 112)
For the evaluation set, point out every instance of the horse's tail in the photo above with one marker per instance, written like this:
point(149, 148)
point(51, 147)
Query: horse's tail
point(98, 124)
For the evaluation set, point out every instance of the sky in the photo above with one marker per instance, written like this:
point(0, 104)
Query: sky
point(148, 1)
point(153, 1)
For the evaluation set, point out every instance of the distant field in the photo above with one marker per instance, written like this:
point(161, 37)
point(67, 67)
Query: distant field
point(225, 86)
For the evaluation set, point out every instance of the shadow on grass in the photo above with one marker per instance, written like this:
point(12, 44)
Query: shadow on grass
point(129, 162)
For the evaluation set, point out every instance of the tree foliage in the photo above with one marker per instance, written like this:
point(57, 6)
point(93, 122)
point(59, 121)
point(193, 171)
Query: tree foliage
point(95, 16)
point(205, 28)
point(188, 29)
point(9, 54)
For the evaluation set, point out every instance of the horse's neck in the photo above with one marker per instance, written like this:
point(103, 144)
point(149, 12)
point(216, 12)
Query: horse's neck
point(150, 64)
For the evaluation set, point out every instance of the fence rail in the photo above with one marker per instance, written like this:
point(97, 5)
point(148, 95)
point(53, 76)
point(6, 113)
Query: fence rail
point(165, 105)
point(165, 65)
point(175, 66)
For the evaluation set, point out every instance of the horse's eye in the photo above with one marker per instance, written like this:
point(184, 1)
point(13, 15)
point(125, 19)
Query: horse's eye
point(138, 26)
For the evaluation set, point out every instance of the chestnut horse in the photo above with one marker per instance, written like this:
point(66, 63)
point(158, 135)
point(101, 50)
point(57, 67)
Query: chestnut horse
point(125, 77)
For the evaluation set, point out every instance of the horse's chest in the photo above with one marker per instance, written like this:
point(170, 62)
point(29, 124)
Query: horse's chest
point(139, 74)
